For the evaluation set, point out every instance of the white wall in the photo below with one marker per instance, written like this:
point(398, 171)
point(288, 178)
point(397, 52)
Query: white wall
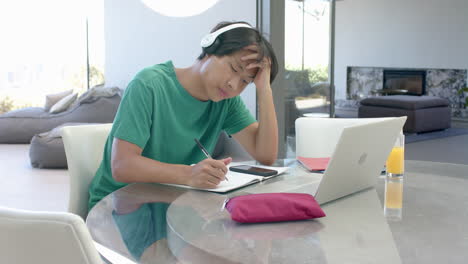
point(400, 33)
point(137, 37)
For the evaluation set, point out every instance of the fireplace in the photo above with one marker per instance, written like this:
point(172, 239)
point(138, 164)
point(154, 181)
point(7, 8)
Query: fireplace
point(408, 82)
point(363, 82)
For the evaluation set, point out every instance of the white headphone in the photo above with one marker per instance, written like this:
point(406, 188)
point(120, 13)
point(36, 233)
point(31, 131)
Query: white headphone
point(208, 39)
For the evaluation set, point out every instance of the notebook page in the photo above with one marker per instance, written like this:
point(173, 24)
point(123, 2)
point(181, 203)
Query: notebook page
point(237, 179)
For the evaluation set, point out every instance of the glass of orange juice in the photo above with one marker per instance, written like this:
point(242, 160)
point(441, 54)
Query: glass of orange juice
point(396, 160)
point(394, 181)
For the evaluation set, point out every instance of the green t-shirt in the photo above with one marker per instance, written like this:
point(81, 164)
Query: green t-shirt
point(142, 227)
point(158, 115)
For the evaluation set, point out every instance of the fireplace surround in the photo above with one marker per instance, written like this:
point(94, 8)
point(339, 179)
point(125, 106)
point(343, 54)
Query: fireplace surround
point(364, 82)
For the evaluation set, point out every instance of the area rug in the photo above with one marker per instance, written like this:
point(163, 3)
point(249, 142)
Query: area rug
point(450, 132)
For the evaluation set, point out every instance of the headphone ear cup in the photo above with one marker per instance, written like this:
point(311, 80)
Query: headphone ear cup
point(213, 47)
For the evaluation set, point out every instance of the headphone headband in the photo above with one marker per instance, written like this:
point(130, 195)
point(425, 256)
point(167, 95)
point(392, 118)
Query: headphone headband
point(208, 39)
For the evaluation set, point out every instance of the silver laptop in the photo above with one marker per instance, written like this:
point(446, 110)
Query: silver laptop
point(358, 159)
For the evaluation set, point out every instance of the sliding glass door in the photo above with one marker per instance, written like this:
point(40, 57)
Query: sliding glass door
point(306, 54)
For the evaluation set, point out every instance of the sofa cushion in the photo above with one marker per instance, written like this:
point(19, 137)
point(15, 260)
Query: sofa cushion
point(406, 101)
point(14, 127)
point(63, 104)
point(21, 125)
point(95, 93)
point(52, 99)
point(47, 150)
point(33, 112)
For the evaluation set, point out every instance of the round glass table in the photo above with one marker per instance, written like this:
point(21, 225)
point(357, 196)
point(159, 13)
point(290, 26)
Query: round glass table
point(154, 223)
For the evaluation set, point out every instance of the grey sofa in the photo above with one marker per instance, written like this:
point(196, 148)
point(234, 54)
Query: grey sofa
point(19, 126)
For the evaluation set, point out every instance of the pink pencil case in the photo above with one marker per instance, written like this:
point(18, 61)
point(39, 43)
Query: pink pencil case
point(273, 207)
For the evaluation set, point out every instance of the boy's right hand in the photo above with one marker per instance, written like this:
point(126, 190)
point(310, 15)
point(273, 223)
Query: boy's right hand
point(208, 173)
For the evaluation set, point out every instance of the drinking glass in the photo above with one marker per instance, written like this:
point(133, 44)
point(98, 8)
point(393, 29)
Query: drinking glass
point(396, 160)
point(394, 180)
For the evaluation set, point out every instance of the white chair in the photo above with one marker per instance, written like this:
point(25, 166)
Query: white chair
point(45, 237)
point(84, 148)
point(317, 137)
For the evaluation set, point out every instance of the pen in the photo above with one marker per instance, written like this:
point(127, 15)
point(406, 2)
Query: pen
point(205, 152)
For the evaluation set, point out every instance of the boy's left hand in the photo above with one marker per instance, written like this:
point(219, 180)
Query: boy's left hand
point(262, 78)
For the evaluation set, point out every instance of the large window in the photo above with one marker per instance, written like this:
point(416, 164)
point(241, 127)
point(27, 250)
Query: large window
point(307, 41)
point(44, 49)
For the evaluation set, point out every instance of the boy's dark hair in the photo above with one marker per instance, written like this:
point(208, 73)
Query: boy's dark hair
point(236, 39)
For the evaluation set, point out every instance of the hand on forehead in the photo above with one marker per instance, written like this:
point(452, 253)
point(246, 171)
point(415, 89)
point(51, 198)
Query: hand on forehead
point(243, 63)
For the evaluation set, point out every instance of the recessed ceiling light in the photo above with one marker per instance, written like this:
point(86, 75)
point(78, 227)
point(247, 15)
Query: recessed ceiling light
point(179, 8)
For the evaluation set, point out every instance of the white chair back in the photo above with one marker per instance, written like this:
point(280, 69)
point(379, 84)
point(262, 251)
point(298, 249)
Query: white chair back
point(45, 237)
point(84, 148)
point(317, 137)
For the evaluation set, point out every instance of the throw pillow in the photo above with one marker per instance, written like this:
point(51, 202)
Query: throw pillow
point(52, 99)
point(63, 104)
point(95, 93)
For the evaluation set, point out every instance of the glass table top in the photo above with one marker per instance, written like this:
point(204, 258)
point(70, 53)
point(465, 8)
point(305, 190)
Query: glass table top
point(153, 223)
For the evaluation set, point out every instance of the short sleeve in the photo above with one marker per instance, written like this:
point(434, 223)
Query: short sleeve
point(238, 116)
point(134, 117)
